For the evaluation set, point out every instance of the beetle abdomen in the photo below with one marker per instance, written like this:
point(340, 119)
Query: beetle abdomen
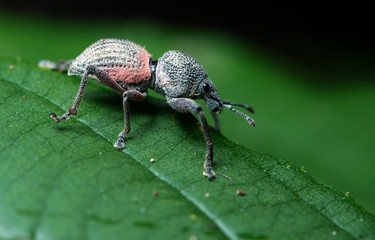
point(123, 60)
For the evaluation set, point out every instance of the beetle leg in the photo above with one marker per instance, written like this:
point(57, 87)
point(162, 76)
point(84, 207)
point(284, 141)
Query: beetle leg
point(72, 110)
point(186, 105)
point(103, 78)
point(61, 65)
point(216, 121)
point(133, 95)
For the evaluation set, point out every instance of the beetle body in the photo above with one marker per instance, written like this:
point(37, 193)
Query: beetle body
point(129, 69)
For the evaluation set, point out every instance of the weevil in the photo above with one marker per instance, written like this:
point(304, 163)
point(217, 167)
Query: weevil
point(130, 70)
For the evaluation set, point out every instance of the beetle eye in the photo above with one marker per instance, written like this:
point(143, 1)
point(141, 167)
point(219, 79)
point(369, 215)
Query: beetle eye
point(206, 87)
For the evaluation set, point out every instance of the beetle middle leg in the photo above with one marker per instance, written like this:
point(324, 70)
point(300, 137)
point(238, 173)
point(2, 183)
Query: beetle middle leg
point(133, 95)
point(216, 121)
point(185, 105)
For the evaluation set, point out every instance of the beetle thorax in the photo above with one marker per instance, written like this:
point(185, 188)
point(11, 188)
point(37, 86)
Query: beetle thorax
point(178, 75)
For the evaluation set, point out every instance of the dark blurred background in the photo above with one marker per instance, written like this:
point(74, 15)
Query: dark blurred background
point(306, 68)
point(294, 30)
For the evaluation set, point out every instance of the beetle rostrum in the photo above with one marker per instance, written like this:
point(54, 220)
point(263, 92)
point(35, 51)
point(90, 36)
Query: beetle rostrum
point(129, 69)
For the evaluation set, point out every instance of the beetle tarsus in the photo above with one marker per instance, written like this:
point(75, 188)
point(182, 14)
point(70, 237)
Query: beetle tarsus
point(225, 176)
point(47, 64)
point(120, 143)
point(61, 66)
point(209, 173)
point(59, 119)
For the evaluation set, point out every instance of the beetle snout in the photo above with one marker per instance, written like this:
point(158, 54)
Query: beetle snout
point(217, 107)
point(214, 105)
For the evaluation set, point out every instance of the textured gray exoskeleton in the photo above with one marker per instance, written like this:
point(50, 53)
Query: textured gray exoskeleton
point(129, 69)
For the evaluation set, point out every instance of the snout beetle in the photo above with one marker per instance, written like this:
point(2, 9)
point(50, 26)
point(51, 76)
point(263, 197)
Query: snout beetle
point(129, 69)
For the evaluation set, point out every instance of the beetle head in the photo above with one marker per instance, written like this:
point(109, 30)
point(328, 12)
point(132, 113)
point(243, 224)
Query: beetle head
point(208, 92)
point(179, 75)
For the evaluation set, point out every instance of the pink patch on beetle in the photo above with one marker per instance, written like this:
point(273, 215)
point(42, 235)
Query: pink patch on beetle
point(133, 74)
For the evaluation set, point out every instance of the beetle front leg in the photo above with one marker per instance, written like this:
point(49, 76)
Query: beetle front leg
point(133, 95)
point(216, 121)
point(186, 105)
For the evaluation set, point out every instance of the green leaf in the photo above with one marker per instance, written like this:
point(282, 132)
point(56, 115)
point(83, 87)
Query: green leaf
point(67, 181)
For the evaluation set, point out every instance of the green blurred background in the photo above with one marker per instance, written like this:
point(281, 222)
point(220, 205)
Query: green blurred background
point(307, 70)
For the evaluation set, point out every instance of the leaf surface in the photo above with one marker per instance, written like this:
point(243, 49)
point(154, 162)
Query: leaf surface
point(55, 177)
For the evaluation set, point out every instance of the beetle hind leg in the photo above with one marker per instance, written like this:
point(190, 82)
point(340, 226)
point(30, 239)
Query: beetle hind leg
point(72, 110)
point(61, 65)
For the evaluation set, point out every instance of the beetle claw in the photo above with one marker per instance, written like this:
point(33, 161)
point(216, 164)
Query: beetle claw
point(120, 143)
point(59, 119)
point(209, 173)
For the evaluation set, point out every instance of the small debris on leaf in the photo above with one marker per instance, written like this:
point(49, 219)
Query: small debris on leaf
point(193, 237)
point(241, 193)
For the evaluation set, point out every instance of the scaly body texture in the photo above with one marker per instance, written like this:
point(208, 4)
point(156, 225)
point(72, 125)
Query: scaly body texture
point(122, 60)
point(178, 74)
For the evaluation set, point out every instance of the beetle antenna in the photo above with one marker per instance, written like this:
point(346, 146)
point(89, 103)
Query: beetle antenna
point(248, 119)
point(247, 107)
